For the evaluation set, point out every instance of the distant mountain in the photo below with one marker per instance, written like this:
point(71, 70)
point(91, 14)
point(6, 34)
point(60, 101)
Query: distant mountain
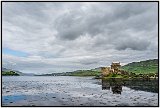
point(18, 72)
point(147, 66)
point(5, 69)
point(96, 69)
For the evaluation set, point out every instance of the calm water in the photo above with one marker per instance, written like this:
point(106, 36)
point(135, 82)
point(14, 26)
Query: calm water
point(77, 91)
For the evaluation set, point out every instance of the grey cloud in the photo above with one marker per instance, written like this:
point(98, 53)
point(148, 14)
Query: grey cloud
point(88, 61)
point(65, 33)
point(93, 23)
point(133, 44)
point(32, 10)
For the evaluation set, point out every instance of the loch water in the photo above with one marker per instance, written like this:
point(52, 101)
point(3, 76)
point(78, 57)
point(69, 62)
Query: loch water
point(77, 91)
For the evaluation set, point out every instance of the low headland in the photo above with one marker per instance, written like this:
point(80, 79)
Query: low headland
point(9, 73)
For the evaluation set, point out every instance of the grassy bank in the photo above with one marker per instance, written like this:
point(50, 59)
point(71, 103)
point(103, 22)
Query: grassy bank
point(131, 76)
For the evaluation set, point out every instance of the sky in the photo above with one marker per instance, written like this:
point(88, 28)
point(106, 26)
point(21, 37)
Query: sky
point(53, 37)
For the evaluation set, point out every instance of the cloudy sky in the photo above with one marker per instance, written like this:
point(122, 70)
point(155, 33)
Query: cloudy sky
point(49, 37)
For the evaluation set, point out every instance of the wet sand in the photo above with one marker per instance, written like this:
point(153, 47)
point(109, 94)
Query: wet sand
point(69, 91)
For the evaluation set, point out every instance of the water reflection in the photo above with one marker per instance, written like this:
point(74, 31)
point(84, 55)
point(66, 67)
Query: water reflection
point(115, 85)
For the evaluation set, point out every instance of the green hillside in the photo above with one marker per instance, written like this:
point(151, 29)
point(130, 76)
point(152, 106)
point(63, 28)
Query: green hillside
point(83, 73)
point(142, 67)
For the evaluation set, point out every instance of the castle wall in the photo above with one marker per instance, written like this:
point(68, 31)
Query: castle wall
point(105, 71)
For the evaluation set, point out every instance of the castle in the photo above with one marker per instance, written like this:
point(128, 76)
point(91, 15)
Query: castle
point(114, 69)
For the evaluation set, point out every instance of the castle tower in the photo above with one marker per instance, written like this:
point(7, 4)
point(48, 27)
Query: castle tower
point(115, 66)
